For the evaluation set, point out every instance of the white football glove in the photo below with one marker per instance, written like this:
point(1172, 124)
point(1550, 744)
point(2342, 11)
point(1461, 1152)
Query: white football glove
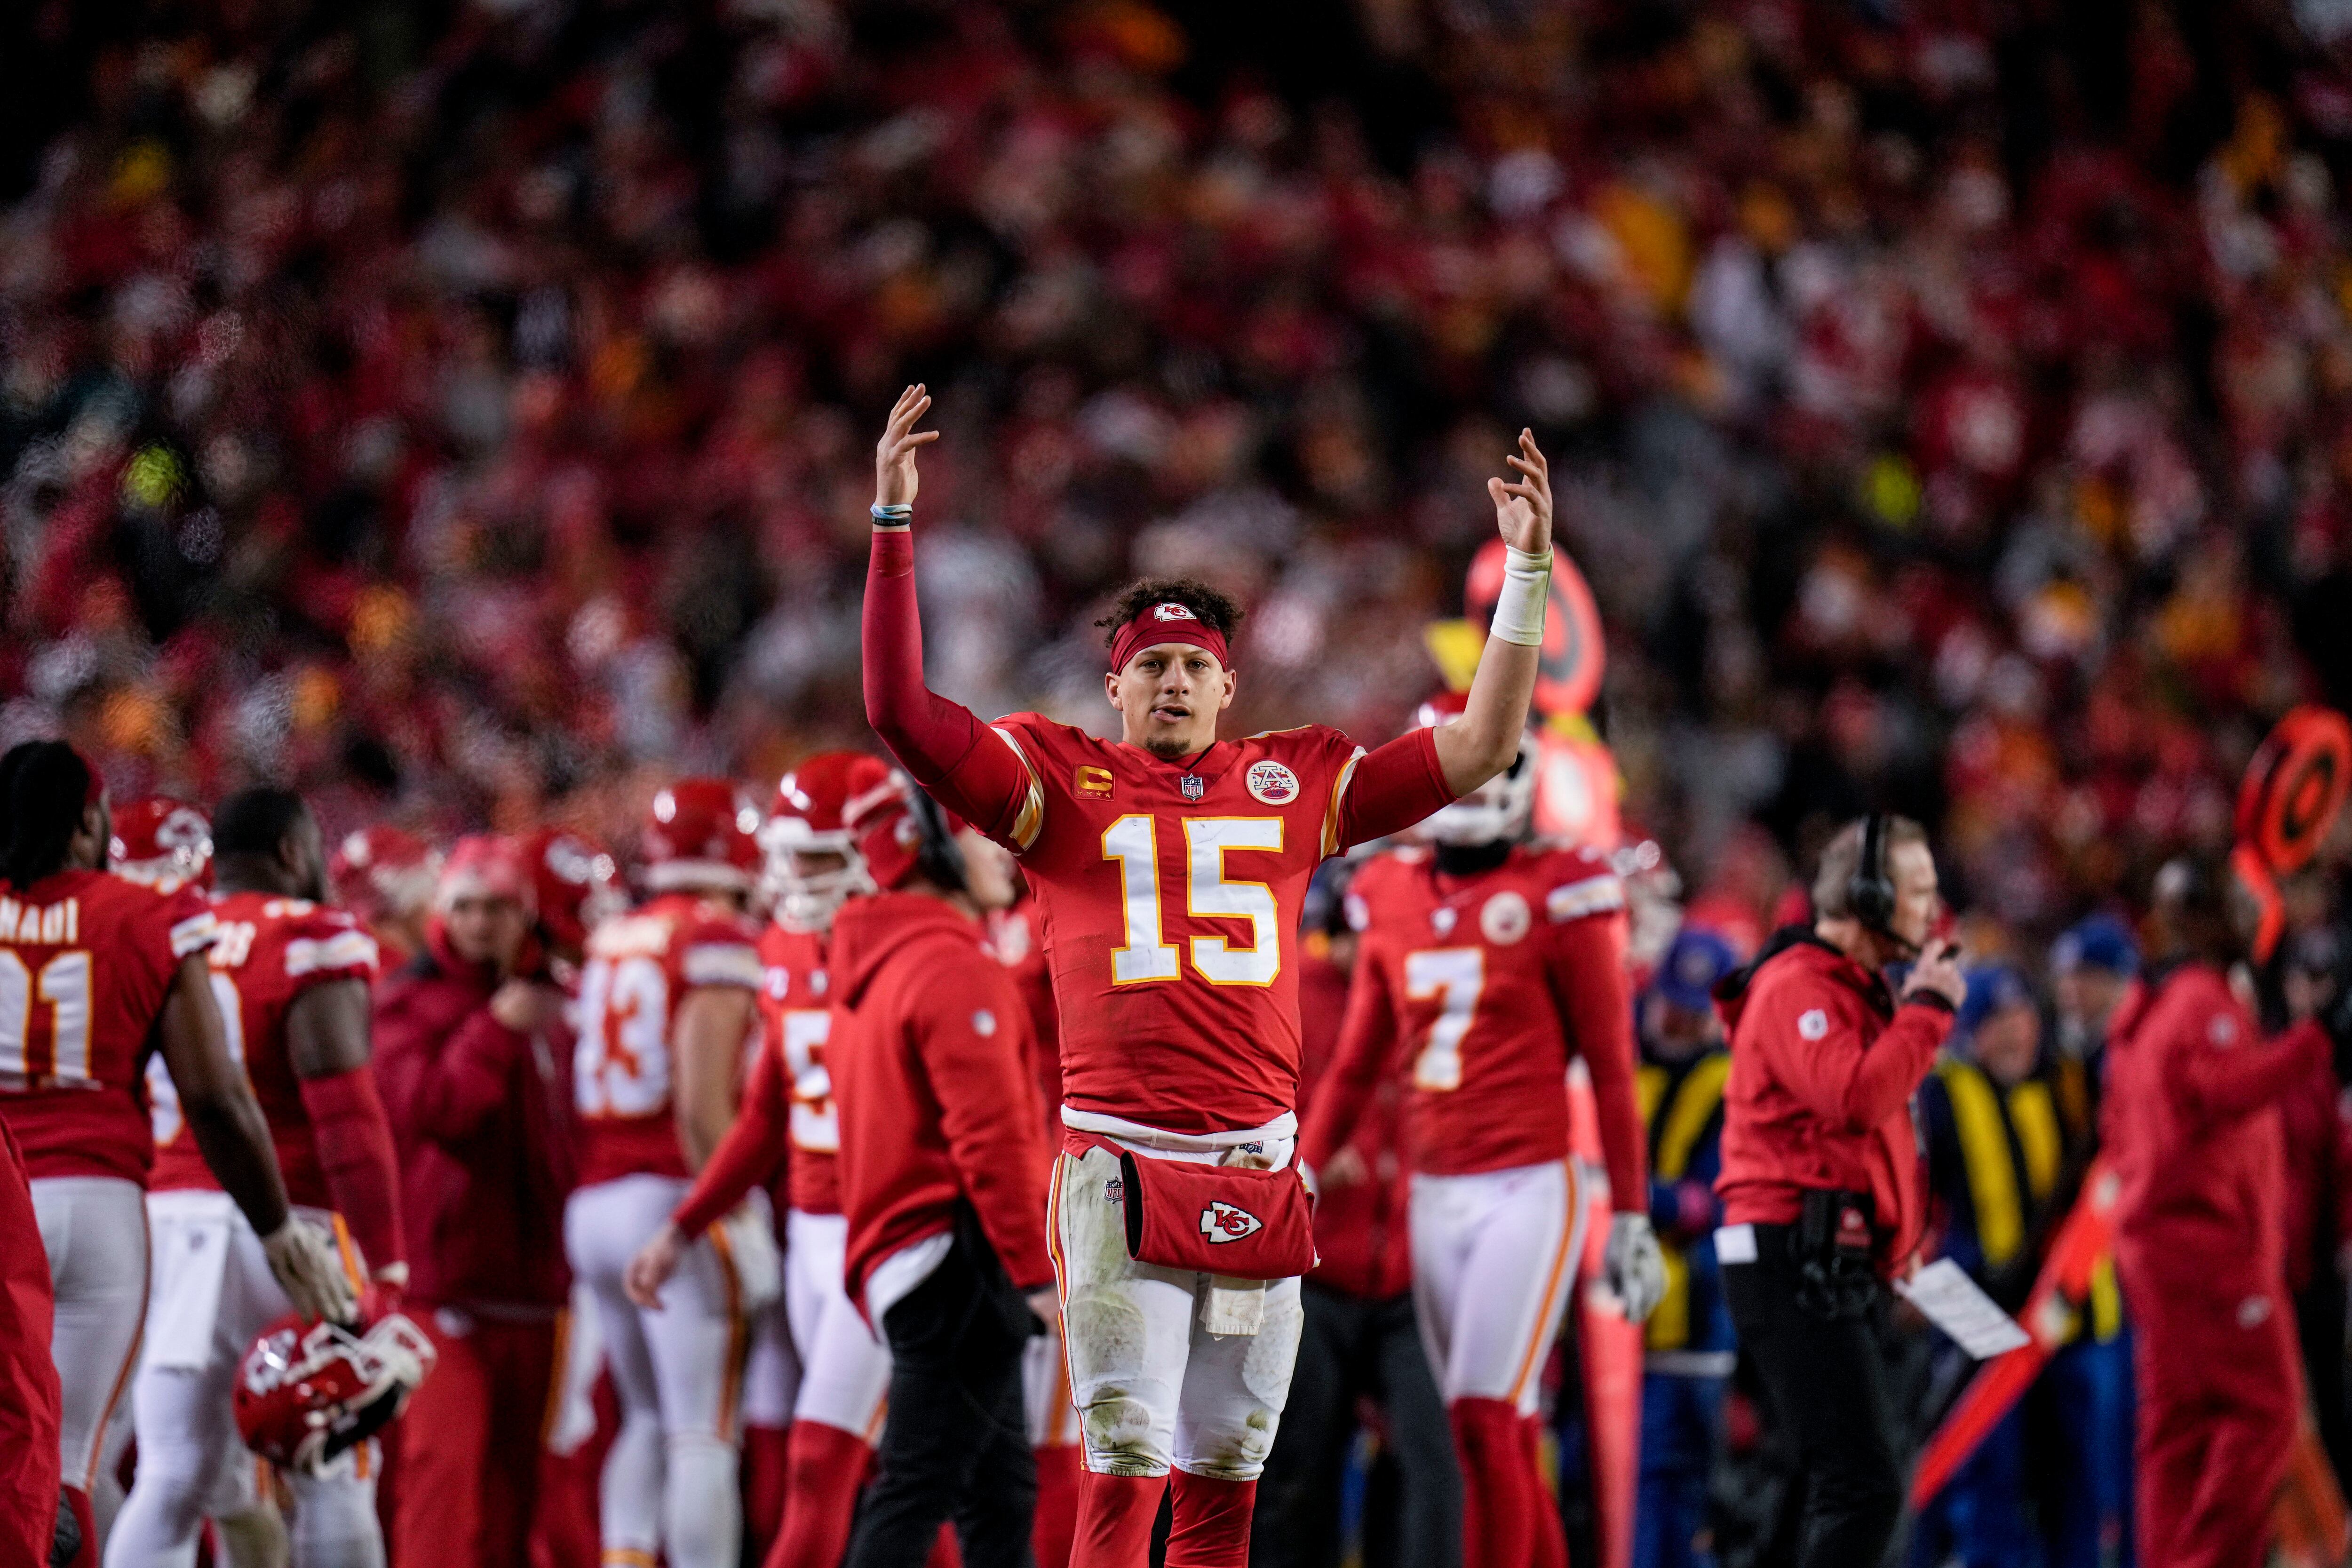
point(310, 1271)
point(1636, 1270)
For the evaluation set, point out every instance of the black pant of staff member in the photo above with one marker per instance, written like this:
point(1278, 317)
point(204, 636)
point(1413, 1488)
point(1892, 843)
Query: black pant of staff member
point(1820, 1182)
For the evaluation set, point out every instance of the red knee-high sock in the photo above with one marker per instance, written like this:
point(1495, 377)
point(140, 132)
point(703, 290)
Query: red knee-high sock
point(1116, 1514)
point(767, 1459)
point(1211, 1525)
point(1058, 1469)
point(1502, 1497)
point(1550, 1542)
point(78, 1501)
point(823, 1468)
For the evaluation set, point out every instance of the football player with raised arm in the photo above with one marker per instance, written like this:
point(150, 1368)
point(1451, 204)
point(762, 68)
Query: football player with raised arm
point(1485, 963)
point(1169, 866)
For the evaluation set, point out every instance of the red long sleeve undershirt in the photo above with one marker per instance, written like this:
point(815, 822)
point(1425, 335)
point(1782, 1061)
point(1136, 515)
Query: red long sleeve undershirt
point(753, 1153)
point(354, 1137)
point(1586, 970)
point(938, 742)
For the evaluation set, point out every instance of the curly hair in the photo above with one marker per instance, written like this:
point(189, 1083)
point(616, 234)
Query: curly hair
point(1215, 610)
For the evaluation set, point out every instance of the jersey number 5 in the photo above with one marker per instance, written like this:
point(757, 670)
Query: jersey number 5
point(1456, 974)
point(1134, 843)
point(816, 1124)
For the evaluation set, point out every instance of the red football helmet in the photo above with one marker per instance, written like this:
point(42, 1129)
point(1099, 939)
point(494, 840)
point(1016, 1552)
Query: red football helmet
point(579, 884)
point(308, 1391)
point(1501, 808)
point(701, 833)
point(384, 874)
point(809, 818)
point(159, 841)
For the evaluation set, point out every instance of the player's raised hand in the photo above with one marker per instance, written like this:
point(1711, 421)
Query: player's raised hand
point(894, 480)
point(1523, 506)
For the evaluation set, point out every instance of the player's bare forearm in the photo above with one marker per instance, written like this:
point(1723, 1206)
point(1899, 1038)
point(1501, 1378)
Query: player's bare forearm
point(222, 1116)
point(712, 1021)
point(1481, 744)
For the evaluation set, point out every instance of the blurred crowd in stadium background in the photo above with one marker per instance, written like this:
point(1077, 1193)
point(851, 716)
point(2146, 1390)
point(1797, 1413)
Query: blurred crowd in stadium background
point(460, 412)
point(462, 409)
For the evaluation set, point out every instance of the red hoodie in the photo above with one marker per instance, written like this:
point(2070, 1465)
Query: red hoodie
point(2192, 1120)
point(483, 1119)
point(1823, 1066)
point(931, 1074)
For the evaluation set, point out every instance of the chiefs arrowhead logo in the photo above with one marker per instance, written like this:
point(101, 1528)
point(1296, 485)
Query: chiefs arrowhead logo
point(1221, 1223)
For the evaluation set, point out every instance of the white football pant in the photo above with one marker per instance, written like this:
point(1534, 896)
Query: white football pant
point(94, 1229)
point(1154, 1387)
point(213, 1294)
point(1045, 1392)
point(669, 1485)
point(845, 1370)
point(1494, 1264)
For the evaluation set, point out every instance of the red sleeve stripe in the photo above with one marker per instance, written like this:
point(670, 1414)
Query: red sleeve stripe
point(353, 950)
point(1592, 896)
point(1031, 818)
point(715, 964)
point(1339, 793)
point(194, 934)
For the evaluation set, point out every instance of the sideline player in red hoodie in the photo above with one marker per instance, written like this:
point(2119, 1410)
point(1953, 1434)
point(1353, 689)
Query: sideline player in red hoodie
point(666, 1002)
point(788, 1125)
point(1169, 868)
point(2191, 1121)
point(943, 1164)
point(109, 970)
point(1483, 967)
point(292, 979)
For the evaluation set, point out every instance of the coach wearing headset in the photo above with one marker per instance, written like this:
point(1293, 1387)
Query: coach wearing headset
point(1820, 1182)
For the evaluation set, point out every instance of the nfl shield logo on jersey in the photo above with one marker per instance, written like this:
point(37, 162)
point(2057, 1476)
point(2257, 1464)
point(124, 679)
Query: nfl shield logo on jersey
point(1192, 786)
point(1221, 1223)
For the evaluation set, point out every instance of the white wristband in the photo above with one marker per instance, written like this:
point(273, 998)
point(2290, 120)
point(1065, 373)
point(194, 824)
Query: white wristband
point(1526, 594)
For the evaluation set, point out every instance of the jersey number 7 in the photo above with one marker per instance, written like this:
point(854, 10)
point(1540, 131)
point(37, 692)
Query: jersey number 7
point(1134, 842)
point(1457, 975)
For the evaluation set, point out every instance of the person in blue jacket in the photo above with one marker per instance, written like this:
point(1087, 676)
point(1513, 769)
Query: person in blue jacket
point(1689, 1345)
point(1996, 1151)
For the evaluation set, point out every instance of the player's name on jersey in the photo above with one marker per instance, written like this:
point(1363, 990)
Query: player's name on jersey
point(633, 935)
point(52, 924)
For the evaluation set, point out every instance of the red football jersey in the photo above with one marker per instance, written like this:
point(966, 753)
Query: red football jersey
point(1012, 938)
point(1477, 990)
point(266, 952)
point(639, 965)
point(86, 960)
point(796, 1021)
point(1169, 899)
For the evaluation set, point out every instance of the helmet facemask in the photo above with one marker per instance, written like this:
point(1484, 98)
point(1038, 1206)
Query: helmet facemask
point(1497, 811)
point(807, 896)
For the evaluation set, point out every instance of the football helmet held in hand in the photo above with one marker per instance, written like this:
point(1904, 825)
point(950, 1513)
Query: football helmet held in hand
point(308, 1391)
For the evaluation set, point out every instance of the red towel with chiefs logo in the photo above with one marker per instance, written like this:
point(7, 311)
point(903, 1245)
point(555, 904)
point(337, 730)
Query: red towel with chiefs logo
point(1217, 1219)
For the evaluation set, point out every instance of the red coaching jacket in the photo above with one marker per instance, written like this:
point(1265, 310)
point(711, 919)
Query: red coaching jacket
point(2191, 1121)
point(1823, 1066)
point(1360, 1234)
point(932, 1076)
point(483, 1119)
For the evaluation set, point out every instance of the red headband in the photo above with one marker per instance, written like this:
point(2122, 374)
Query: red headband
point(1165, 622)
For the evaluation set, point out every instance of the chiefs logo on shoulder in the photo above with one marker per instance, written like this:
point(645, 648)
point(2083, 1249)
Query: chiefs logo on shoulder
point(1221, 1223)
point(1172, 613)
point(1271, 784)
